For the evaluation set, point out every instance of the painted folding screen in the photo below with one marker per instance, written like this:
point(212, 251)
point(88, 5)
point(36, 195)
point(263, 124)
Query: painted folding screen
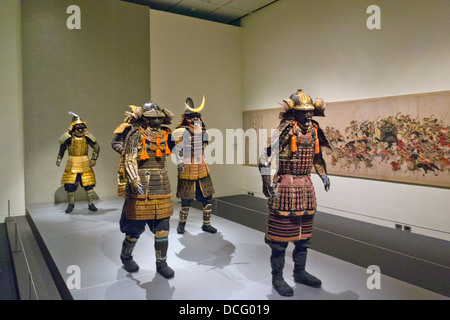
point(400, 138)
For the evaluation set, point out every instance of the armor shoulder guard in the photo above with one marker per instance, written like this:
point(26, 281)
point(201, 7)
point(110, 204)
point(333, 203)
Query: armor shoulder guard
point(323, 141)
point(284, 129)
point(90, 137)
point(178, 134)
point(122, 127)
point(66, 135)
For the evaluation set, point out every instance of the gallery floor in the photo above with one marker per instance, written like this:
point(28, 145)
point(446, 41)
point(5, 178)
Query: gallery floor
point(232, 264)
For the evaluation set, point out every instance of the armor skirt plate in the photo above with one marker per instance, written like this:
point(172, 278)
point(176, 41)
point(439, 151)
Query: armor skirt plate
point(289, 228)
point(78, 165)
point(156, 202)
point(186, 189)
point(292, 210)
point(148, 208)
point(194, 171)
point(295, 196)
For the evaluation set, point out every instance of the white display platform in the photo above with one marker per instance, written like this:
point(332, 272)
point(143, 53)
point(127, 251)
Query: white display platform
point(232, 264)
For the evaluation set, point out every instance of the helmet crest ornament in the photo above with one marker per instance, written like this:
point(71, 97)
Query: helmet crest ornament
point(190, 105)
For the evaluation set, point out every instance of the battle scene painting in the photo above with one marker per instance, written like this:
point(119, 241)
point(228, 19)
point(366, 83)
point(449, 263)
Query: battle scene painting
point(401, 138)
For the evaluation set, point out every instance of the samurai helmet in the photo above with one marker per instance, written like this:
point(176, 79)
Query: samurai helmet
point(152, 110)
point(76, 119)
point(300, 101)
point(189, 109)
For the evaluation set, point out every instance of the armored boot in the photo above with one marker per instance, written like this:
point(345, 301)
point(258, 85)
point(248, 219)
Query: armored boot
point(300, 274)
point(71, 197)
point(90, 197)
point(127, 259)
point(161, 245)
point(184, 212)
point(163, 269)
point(277, 264)
point(207, 227)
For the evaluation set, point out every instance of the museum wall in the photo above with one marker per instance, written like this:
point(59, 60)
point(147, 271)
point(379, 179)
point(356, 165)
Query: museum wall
point(12, 187)
point(95, 71)
point(110, 62)
point(102, 68)
point(191, 58)
point(327, 50)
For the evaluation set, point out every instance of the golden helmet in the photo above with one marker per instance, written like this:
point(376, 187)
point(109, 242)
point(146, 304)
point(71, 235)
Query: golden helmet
point(300, 101)
point(76, 119)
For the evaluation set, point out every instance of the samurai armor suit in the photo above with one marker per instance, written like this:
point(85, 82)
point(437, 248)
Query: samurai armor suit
point(145, 161)
point(78, 160)
point(293, 205)
point(195, 169)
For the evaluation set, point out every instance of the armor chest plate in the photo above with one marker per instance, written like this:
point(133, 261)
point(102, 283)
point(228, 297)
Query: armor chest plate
point(193, 149)
point(78, 146)
point(299, 162)
point(155, 146)
point(154, 136)
point(306, 140)
point(153, 162)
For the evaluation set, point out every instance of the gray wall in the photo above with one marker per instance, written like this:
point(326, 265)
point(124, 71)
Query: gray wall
point(12, 187)
point(204, 59)
point(96, 72)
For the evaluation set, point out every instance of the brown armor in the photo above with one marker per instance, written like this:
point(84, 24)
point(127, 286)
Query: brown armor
point(194, 167)
point(194, 180)
point(295, 195)
point(291, 196)
point(144, 145)
point(145, 164)
point(292, 202)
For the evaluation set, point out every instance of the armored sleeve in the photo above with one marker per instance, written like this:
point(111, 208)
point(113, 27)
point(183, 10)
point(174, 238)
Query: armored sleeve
point(321, 141)
point(118, 142)
point(131, 156)
point(64, 142)
point(320, 164)
point(92, 141)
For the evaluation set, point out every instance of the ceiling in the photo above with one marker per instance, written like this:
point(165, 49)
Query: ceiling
point(223, 11)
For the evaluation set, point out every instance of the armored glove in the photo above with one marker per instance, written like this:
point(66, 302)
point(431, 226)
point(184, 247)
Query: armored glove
point(58, 160)
point(92, 162)
point(264, 170)
point(326, 182)
point(268, 189)
point(136, 187)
